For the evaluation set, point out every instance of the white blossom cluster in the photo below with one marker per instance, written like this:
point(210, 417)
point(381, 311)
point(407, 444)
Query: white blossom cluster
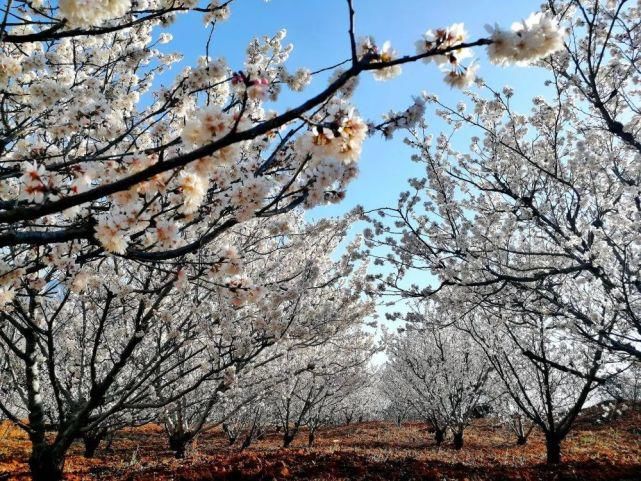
point(534, 38)
point(87, 13)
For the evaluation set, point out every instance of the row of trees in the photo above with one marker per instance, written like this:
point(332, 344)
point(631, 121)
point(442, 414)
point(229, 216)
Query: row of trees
point(527, 243)
point(127, 344)
point(521, 373)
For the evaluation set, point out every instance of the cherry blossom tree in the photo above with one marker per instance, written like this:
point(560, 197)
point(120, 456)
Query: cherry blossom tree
point(399, 399)
point(508, 413)
point(547, 374)
point(319, 378)
point(544, 202)
point(626, 387)
point(96, 353)
point(534, 227)
point(248, 421)
point(307, 299)
point(367, 402)
point(341, 389)
point(445, 375)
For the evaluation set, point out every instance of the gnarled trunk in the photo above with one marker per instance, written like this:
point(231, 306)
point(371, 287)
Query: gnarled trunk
point(439, 436)
point(91, 442)
point(110, 440)
point(46, 461)
point(180, 443)
point(458, 440)
point(288, 438)
point(246, 442)
point(231, 437)
point(46, 464)
point(553, 448)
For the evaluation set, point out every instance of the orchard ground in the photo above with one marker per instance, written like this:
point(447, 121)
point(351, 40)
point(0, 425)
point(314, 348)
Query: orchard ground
point(594, 451)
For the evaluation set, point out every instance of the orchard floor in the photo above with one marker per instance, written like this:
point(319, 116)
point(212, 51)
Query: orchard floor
point(366, 451)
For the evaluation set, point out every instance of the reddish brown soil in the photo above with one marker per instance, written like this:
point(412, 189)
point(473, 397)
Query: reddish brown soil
point(367, 451)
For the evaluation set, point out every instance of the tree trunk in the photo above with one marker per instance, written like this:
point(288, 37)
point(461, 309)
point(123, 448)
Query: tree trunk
point(230, 436)
point(521, 440)
point(311, 438)
point(553, 448)
point(46, 461)
point(439, 436)
point(46, 464)
point(246, 442)
point(110, 441)
point(287, 439)
point(91, 443)
point(458, 440)
point(179, 444)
